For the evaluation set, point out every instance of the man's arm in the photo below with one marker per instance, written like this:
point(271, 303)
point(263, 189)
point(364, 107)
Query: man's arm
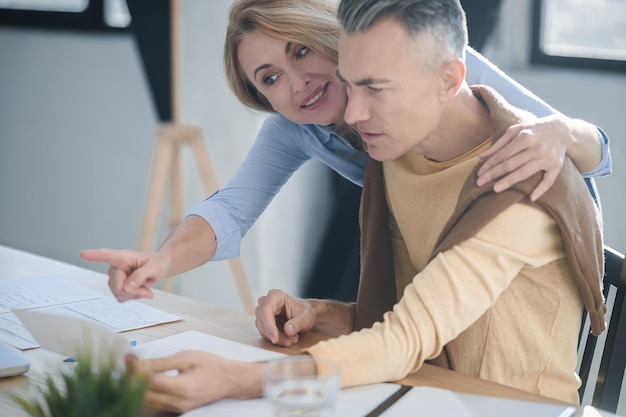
point(451, 293)
point(333, 318)
point(280, 317)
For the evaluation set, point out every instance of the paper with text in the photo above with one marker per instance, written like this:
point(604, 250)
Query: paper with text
point(120, 317)
point(40, 291)
point(55, 295)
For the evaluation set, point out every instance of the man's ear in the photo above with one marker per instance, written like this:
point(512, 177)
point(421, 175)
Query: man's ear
point(452, 77)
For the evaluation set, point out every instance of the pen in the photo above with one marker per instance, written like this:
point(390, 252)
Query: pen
point(133, 343)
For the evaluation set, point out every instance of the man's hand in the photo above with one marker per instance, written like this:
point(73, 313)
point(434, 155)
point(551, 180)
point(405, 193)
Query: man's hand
point(280, 318)
point(131, 274)
point(201, 378)
point(524, 150)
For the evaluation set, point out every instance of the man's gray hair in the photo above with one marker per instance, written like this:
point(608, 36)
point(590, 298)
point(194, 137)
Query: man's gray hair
point(442, 19)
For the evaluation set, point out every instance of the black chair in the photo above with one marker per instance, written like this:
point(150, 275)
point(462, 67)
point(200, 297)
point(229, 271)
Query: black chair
point(610, 371)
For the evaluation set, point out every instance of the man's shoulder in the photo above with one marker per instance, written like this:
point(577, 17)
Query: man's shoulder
point(502, 113)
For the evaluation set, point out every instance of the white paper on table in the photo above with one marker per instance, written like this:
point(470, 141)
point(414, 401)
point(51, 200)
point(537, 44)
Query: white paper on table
point(430, 401)
point(119, 317)
point(13, 332)
point(71, 336)
point(41, 291)
point(352, 402)
point(589, 411)
point(493, 406)
point(193, 340)
point(106, 311)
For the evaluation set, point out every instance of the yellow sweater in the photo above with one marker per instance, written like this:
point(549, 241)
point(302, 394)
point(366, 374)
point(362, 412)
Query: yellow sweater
point(514, 272)
point(505, 297)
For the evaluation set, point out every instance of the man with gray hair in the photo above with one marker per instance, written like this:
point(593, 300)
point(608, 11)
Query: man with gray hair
point(488, 284)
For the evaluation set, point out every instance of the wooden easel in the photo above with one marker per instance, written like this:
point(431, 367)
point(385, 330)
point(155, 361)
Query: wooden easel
point(167, 169)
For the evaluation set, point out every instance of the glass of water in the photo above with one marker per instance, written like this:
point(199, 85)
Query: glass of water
point(300, 386)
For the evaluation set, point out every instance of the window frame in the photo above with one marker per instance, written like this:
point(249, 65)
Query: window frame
point(538, 56)
point(90, 19)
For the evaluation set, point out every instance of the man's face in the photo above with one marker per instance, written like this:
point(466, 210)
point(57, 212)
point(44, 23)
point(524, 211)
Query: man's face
point(393, 104)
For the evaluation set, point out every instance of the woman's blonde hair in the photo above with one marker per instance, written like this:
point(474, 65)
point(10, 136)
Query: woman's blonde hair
point(312, 23)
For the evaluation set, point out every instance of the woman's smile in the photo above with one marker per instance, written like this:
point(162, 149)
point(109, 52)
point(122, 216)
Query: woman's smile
point(312, 101)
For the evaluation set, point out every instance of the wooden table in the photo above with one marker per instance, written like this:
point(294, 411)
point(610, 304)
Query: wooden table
point(196, 315)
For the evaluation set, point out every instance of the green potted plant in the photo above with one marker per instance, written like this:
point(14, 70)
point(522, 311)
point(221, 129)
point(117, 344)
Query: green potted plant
point(92, 389)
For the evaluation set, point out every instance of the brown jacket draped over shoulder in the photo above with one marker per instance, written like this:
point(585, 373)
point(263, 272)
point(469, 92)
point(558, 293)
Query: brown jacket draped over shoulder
point(566, 201)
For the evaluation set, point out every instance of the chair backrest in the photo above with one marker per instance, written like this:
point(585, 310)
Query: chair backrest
point(610, 371)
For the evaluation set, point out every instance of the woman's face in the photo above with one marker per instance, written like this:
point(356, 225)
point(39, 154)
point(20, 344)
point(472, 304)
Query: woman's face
point(300, 84)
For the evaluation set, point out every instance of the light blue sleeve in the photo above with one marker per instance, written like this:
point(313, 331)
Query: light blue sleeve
point(605, 167)
point(482, 71)
point(275, 155)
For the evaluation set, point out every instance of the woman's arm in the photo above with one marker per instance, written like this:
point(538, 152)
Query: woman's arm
point(540, 146)
point(274, 156)
point(132, 274)
point(508, 161)
point(214, 228)
point(280, 149)
point(481, 71)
